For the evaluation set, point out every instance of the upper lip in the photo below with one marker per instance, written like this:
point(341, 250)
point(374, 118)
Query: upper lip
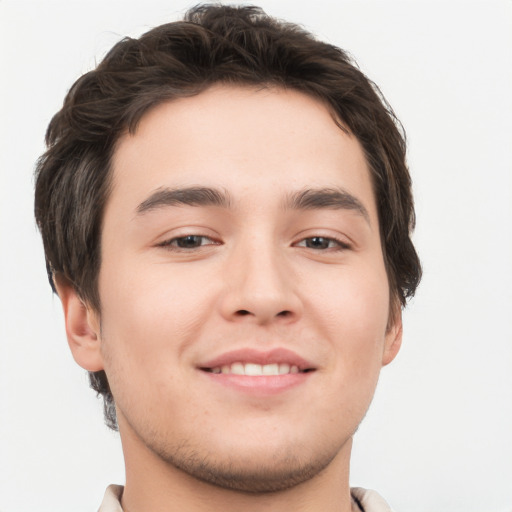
point(249, 355)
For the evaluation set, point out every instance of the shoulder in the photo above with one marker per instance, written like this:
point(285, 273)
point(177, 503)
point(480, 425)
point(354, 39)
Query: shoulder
point(369, 501)
point(112, 499)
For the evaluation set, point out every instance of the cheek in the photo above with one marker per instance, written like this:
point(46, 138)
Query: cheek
point(149, 318)
point(354, 300)
point(147, 324)
point(356, 331)
point(352, 311)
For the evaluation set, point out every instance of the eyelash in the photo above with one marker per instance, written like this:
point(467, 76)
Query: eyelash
point(173, 243)
point(334, 243)
point(338, 245)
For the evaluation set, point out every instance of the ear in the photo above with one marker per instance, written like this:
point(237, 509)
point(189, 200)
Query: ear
point(393, 339)
point(82, 327)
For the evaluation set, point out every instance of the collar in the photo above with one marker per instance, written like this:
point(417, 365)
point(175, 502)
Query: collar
point(363, 500)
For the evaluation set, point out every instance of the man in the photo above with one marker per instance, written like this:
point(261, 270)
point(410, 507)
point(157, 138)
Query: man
point(226, 215)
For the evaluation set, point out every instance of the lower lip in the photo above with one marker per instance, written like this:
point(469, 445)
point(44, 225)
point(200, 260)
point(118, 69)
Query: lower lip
point(260, 384)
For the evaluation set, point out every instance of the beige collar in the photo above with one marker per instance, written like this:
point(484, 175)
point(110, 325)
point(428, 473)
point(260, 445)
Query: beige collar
point(363, 500)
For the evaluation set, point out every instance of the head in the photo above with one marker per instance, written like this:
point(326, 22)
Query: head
point(172, 69)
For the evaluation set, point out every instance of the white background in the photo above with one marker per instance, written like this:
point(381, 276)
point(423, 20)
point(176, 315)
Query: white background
point(439, 434)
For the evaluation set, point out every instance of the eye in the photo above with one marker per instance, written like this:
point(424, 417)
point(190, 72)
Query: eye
point(188, 242)
point(322, 243)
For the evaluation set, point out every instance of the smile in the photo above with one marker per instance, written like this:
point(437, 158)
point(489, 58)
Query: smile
point(258, 373)
point(254, 369)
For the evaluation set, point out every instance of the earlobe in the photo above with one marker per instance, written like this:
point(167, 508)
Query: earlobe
point(393, 340)
point(82, 328)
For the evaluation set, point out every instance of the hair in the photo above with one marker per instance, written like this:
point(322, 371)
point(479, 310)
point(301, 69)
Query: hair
point(213, 44)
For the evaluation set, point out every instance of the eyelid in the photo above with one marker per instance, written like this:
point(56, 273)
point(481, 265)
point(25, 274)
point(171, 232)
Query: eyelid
point(341, 244)
point(342, 239)
point(169, 242)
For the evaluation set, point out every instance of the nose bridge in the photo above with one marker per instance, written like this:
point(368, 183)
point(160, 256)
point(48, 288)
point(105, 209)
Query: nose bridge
point(259, 282)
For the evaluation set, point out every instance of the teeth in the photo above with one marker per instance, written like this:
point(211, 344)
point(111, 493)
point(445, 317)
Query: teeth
point(238, 369)
point(253, 369)
point(270, 369)
point(284, 368)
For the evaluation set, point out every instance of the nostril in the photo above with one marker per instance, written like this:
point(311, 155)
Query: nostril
point(284, 313)
point(243, 312)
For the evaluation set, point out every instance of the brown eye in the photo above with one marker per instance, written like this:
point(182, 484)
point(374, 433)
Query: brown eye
point(322, 243)
point(318, 242)
point(189, 242)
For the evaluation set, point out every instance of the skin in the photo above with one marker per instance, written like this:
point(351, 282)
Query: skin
point(258, 274)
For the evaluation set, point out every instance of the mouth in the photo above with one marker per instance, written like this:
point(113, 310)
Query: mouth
point(254, 369)
point(258, 372)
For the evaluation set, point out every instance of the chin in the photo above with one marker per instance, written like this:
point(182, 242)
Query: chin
point(254, 475)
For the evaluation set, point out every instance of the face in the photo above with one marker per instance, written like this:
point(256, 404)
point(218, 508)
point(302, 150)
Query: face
point(244, 298)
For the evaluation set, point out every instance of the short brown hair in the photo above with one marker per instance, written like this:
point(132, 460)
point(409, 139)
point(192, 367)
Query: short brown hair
point(213, 44)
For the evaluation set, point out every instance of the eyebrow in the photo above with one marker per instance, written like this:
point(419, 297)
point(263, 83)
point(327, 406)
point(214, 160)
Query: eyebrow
point(191, 196)
point(326, 198)
point(307, 199)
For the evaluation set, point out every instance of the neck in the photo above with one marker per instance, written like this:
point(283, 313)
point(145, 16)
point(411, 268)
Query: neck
point(154, 484)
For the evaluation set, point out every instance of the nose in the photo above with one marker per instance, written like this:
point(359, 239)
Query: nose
point(260, 288)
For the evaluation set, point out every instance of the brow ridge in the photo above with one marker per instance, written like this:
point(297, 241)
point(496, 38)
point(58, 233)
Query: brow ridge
point(326, 198)
point(189, 196)
point(306, 199)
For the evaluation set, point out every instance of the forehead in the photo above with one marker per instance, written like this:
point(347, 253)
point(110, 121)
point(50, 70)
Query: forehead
point(242, 139)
